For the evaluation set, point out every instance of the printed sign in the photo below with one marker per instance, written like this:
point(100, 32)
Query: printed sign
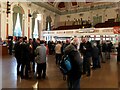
point(116, 30)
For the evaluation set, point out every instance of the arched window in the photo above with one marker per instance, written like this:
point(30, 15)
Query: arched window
point(48, 28)
point(17, 29)
point(97, 19)
point(35, 32)
point(18, 22)
point(48, 23)
point(35, 25)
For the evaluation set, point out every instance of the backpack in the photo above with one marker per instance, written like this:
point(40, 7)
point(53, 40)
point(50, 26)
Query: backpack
point(65, 65)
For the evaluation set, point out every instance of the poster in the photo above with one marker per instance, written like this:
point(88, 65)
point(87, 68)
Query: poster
point(116, 30)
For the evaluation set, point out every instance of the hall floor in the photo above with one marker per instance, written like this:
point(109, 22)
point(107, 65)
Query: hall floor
point(107, 77)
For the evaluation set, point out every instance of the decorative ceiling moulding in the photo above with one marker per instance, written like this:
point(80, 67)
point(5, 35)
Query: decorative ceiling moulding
point(106, 0)
point(29, 4)
point(47, 6)
point(89, 8)
point(78, 10)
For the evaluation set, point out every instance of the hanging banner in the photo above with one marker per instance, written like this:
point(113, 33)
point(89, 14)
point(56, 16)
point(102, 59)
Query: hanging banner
point(116, 30)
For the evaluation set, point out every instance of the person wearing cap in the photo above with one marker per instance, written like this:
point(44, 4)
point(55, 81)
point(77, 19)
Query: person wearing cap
point(73, 77)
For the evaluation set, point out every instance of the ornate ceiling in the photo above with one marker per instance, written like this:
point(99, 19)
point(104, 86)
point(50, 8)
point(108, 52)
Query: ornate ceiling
point(62, 8)
point(74, 5)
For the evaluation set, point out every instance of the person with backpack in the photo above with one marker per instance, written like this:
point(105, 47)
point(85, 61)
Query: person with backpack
point(74, 75)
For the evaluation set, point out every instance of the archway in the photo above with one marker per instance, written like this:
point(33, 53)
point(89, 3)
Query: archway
point(18, 22)
point(48, 23)
point(36, 19)
point(48, 27)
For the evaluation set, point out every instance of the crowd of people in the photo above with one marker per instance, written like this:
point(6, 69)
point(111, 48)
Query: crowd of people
point(83, 54)
point(34, 51)
point(93, 53)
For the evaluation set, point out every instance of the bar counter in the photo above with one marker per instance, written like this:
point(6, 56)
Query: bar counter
point(3, 50)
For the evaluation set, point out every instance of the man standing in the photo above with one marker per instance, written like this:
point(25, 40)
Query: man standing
point(86, 49)
point(10, 45)
point(25, 59)
point(104, 51)
point(76, 63)
point(41, 60)
point(17, 49)
point(95, 56)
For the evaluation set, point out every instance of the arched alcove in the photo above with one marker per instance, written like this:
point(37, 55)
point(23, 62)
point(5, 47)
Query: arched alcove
point(48, 27)
point(48, 23)
point(18, 13)
point(36, 18)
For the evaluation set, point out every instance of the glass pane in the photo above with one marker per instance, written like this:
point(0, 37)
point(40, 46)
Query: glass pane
point(48, 26)
point(97, 35)
point(18, 31)
point(97, 38)
point(91, 35)
point(35, 33)
point(107, 38)
point(103, 39)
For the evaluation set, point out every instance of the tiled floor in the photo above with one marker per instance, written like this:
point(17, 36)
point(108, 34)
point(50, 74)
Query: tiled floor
point(106, 77)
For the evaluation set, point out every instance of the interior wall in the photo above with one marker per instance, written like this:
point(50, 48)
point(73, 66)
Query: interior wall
point(105, 13)
point(56, 19)
point(27, 25)
point(0, 24)
point(3, 21)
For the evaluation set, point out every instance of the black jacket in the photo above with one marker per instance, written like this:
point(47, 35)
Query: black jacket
point(95, 52)
point(118, 53)
point(18, 50)
point(104, 47)
point(25, 53)
point(76, 62)
point(88, 50)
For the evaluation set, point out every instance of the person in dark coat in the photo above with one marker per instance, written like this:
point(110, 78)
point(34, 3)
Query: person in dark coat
point(64, 45)
point(17, 49)
point(104, 51)
point(95, 56)
point(10, 45)
point(75, 74)
point(25, 59)
point(34, 43)
point(109, 49)
point(100, 52)
point(118, 53)
point(86, 49)
point(31, 57)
